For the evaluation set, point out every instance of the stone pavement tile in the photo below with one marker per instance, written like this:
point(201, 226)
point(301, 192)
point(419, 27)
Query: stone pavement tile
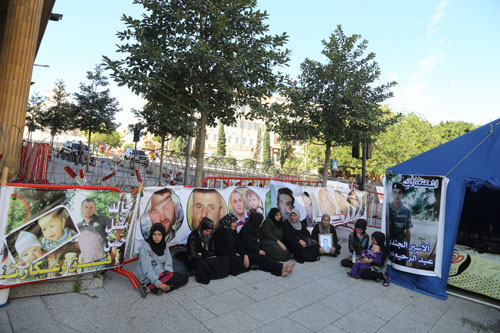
point(186, 295)
point(356, 322)
point(227, 283)
point(400, 295)
point(492, 321)
point(364, 290)
point(233, 322)
point(434, 303)
point(302, 296)
point(315, 316)
point(254, 276)
point(292, 281)
point(198, 311)
point(463, 312)
point(420, 314)
point(451, 327)
point(4, 317)
point(27, 313)
point(397, 327)
point(342, 302)
point(344, 281)
point(332, 329)
point(381, 308)
point(225, 302)
point(261, 290)
point(5, 328)
point(327, 286)
point(305, 266)
point(282, 325)
point(320, 271)
point(269, 310)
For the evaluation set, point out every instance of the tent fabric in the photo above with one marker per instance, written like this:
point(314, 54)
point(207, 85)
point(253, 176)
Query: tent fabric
point(472, 159)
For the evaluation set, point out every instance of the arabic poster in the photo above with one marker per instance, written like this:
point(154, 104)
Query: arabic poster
point(414, 222)
point(53, 233)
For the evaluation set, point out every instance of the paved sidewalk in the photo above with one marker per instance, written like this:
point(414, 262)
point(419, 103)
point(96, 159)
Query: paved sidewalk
point(317, 297)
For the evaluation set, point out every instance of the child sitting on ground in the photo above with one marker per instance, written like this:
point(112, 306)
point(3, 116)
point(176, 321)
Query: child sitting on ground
point(374, 254)
point(28, 248)
point(54, 231)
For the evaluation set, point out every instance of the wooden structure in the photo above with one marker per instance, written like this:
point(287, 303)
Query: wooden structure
point(22, 25)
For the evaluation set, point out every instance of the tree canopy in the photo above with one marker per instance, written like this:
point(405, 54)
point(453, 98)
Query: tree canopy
point(335, 102)
point(205, 59)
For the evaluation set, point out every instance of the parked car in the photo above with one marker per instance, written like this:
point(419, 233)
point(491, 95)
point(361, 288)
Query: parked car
point(140, 156)
point(69, 151)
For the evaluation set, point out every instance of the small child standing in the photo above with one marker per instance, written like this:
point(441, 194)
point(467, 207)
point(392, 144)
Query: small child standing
point(54, 231)
point(374, 254)
point(28, 248)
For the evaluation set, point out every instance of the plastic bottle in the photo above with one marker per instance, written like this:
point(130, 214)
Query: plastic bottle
point(354, 257)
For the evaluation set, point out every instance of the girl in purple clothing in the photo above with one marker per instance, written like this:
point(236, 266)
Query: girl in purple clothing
point(374, 255)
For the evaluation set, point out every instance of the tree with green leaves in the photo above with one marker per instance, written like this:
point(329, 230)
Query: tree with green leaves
point(284, 151)
point(266, 148)
point(113, 139)
point(335, 102)
point(449, 130)
point(58, 114)
point(256, 152)
point(221, 142)
point(157, 120)
point(95, 108)
point(35, 105)
point(206, 58)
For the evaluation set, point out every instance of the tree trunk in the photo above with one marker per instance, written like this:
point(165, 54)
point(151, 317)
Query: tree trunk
point(161, 160)
point(52, 144)
point(200, 149)
point(326, 165)
point(88, 152)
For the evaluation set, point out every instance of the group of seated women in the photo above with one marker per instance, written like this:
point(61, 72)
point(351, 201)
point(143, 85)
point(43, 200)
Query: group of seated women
point(260, 244)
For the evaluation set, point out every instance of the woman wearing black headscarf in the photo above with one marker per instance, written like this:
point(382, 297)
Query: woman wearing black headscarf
point(271, 240)
point(155, 264)
point(227, 243)
point(358, 241)
point(201, 254)
point(377, 271)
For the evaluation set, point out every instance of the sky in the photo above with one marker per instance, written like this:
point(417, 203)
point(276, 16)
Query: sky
point(444, 55)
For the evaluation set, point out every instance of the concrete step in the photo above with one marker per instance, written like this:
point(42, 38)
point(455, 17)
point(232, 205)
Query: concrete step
point(58, 286)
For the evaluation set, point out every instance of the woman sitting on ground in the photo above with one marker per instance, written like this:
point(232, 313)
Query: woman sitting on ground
point(298, 239)
point(377, 271)
point(272, 242)
point(358, 241)
point(201, 254)
point(155, 265)
point(227, 243)
point(326, 228)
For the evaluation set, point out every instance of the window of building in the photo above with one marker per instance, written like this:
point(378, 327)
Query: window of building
point(229, 139)
point(215, 137)
point(244, 141)
point(236, 140)
point(251, 142)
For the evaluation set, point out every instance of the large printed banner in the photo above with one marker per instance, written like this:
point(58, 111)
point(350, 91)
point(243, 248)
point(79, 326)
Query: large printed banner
point(52, 233)
point(413, 218)
point(339, 201)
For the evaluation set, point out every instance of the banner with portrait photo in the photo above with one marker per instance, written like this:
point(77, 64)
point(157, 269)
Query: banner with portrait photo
point(413, 217)
point(337, 200)
point(181, 209)
point(49, 233)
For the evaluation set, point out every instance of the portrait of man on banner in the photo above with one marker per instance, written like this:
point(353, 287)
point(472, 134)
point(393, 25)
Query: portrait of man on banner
point(205, 203)
point(163, 207)
point(414, 222)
